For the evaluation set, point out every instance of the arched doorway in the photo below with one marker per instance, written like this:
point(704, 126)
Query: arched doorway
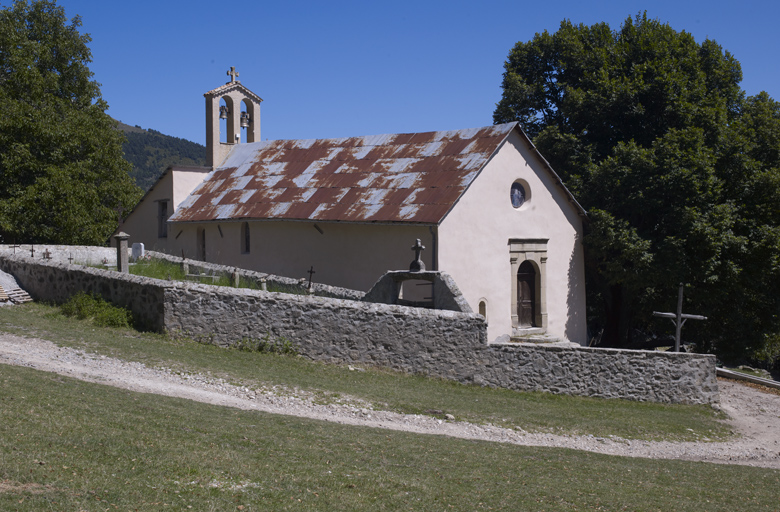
point(526, 294)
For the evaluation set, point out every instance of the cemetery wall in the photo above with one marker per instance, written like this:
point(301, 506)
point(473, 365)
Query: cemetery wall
point(438, 343)
point(204, 267)
point(446, 344)
point(55, 281)
point(80, 254)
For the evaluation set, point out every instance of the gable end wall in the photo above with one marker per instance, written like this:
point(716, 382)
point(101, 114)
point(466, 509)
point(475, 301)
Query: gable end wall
point(474, 242)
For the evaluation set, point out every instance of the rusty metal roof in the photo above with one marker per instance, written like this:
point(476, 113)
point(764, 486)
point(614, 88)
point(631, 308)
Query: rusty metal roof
point(398, 178)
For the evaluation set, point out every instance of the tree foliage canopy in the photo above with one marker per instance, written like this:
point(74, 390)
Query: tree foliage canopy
point(62, 175)
point(680, 173)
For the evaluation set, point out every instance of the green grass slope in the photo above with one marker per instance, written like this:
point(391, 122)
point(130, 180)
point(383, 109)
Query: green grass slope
point(71, 445)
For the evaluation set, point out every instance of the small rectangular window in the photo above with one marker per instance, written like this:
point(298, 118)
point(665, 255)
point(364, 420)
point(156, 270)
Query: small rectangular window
point(162, 218)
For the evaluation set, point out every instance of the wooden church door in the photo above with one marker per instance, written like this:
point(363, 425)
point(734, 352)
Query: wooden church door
point(526, 288)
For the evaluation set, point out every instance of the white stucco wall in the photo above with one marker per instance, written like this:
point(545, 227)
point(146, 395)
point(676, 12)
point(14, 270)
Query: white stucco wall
point(474, 250)
point(174, 186)
point(349, 255)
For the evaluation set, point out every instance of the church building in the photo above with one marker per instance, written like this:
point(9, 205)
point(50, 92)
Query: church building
point(485, 204)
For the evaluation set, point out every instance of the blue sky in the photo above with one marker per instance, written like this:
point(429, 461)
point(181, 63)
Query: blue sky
point(343, 68)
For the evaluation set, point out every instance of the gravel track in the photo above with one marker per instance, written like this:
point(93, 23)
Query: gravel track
point(754, 415)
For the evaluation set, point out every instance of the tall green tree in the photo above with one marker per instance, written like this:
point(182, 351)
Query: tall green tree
point(63, 178)
point(678, 170)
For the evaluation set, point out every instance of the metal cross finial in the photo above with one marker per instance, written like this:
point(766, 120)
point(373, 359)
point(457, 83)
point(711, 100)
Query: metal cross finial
point(311, 272)
point(417, 265)
point(233, 74)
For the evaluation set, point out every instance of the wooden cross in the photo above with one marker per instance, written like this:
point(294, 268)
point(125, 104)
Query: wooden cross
point(232, 73)
point(32, 251)
point(417, 265)
point(311, 272)
point(15, 246)
point(678, 319)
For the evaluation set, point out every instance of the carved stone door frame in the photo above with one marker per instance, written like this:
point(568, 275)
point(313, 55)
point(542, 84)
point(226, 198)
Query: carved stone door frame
point(533, 250)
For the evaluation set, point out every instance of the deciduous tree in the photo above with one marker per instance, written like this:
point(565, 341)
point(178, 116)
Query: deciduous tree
point(678, 170)
point(63, 178)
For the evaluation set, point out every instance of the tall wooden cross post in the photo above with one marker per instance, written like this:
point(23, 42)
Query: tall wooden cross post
point(678, 319)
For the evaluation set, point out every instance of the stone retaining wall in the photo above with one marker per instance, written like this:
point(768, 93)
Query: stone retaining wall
point(447, 344)
point(54, 281)
point(645, 375)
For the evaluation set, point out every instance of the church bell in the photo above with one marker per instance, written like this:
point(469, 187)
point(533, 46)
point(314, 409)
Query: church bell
point(244, 120)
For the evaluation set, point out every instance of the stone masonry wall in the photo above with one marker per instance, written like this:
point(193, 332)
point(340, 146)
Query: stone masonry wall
point(447, 344)
point(54, 281)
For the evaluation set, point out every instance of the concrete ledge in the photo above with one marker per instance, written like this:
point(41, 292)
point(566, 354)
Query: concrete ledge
point(729, 374)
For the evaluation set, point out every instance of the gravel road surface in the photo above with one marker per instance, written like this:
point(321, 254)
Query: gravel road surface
point(754, 415)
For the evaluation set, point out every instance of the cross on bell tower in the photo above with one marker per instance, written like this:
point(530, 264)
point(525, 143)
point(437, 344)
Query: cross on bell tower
point(240, 108)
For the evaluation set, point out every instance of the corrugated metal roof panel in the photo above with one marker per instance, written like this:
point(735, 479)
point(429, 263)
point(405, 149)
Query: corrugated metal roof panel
point(412, 177)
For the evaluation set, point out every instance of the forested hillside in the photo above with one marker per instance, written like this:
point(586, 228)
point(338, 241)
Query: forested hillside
point(151, 152)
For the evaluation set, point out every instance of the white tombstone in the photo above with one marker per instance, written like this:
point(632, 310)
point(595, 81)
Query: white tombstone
point(138, 251)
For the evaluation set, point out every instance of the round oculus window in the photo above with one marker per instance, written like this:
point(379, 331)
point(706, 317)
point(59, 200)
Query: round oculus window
point(517, 194)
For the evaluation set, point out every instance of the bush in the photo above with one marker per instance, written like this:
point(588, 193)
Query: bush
point(88, 306)
point(768, 356)
point(280, 345)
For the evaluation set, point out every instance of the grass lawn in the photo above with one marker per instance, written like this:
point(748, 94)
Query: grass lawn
point(385, 389)
point(71, 445)
point(162, 269)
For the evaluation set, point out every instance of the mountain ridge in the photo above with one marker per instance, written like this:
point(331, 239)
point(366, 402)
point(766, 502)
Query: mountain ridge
point(151, 152)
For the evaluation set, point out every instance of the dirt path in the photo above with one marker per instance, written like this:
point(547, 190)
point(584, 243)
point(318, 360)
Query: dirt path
point(755, 416)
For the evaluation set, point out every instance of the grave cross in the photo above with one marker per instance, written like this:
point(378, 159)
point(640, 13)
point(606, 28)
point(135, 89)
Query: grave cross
point(678, 319)
point(16, 246)
point(417, 265)
point(32, 251)
point(232, 73)
point(46, 254)
point(70, 258)
point(311, 272)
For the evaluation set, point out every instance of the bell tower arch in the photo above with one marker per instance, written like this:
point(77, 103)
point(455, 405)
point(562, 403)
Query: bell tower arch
point(241, 110)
